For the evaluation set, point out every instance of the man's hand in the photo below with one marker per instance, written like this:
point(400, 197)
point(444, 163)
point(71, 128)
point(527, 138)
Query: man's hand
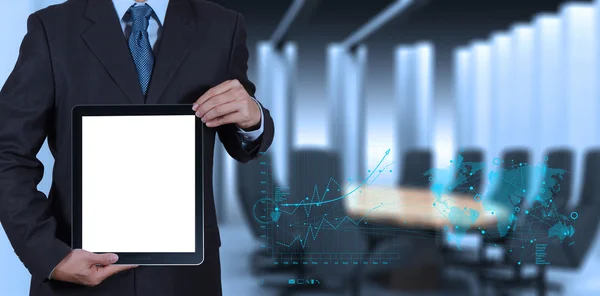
point(227, 103)
point(85, 268)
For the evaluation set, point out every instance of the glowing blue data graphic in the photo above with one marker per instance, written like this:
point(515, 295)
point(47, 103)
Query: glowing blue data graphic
point(310, 220)
point(525, 222)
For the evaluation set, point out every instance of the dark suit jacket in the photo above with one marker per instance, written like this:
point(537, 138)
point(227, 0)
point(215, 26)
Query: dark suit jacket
point(76, 53)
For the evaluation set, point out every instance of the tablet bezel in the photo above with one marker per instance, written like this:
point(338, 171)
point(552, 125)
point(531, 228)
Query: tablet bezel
point(142, 258)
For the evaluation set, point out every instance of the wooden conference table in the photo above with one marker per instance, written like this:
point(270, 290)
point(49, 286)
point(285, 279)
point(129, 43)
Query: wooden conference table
point(420, 209)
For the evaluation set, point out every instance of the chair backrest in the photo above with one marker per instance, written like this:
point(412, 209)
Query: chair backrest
point(591, 178)
point(472, 169)
point(512, 158)
point(512, 179)
point(249, 188)
point(416, 163)
point(561, 159)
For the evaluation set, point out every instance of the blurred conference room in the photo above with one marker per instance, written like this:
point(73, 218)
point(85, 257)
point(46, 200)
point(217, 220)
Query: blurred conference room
point(422, 147)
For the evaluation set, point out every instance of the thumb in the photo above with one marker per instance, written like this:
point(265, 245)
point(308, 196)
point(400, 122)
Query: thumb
point(103, 259)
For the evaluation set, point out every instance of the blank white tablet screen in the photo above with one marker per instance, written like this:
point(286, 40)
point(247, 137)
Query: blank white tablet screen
point(138, 184)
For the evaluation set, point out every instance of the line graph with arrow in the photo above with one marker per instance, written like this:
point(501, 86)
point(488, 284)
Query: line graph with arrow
point(293, 220)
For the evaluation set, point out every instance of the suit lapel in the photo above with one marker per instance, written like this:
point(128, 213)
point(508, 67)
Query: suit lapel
point(106, 40)
point(175, 44)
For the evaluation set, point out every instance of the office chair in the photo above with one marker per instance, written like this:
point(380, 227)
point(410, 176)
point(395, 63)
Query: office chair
point(250, 183)
point(586, 218)
point(469, 173)
point(565, 248)
point(416, 163)
point(511, 172)
point(321, 225)
point(558, 195)
point(511, 181)
point(560, 159)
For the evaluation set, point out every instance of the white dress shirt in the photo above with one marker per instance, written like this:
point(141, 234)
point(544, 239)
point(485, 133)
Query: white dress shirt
point(154, 33)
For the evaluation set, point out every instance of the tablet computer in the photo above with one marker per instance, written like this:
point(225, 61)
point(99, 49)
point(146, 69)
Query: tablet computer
point(137, 183)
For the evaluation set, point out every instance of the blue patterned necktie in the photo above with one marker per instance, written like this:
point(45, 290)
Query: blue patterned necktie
point(139, 44)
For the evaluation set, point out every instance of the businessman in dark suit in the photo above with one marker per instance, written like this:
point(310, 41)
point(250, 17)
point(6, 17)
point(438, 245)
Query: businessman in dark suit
point(118, 52)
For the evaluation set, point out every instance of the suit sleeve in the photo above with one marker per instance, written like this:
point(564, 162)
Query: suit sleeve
point(26, 103)
point(238, 67)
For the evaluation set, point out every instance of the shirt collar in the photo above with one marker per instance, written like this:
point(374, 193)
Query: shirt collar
point(159, 7)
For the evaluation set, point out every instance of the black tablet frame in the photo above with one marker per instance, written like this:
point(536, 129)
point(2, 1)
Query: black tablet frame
point(78, 113)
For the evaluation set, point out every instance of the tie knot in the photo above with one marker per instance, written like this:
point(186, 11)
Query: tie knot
point(140, 15)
